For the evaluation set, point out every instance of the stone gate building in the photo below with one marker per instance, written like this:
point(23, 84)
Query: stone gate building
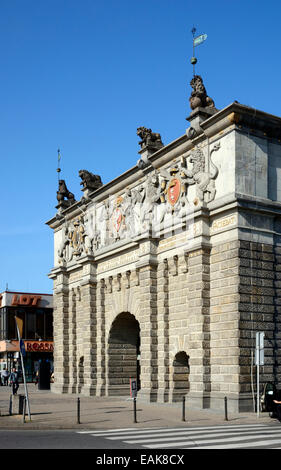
point(166, 273)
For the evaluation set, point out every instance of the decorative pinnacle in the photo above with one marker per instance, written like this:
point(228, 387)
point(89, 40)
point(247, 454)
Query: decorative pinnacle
point(59, 157)
point(193, 58)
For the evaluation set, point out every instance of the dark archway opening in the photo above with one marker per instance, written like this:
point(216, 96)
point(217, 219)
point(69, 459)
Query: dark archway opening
point(123, 354)
point(180, 376)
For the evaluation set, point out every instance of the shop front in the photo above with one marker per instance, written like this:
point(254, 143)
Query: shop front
point(34, 354)
point(37, 352)
point(36, 314)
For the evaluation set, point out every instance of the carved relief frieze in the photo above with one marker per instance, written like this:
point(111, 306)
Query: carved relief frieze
point(161, 198)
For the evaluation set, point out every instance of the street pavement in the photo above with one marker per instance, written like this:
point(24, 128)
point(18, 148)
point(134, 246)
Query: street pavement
point(60, 411)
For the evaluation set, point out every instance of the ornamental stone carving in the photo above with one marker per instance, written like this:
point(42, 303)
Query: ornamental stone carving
point(153, 195)
point(64, 197)
point(149, 139)
point(117, 225)
point(161, 199)
point(204, 180)
point(76, 241)
point(174, 188)
point(199, 97)
point(90, 181)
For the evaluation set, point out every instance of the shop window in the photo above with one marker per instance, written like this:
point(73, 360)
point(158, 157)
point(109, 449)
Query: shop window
point(2, 325)
point(40, 333)
point(11, 326)
point(31, 325)
point(48, 326)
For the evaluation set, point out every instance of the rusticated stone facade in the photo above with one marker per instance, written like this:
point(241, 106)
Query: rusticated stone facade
point(166, 273)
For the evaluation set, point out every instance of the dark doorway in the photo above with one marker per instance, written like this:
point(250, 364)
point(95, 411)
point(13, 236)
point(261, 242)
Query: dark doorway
point(44, 375)
point(123, 354)
point(180, 376)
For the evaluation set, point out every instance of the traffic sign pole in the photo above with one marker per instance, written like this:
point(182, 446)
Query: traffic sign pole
point(259, 361)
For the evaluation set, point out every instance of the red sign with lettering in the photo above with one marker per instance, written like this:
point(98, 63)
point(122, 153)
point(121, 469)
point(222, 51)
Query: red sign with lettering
point(39, 346)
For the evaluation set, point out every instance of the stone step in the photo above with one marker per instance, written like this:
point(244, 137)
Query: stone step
point(118, 345)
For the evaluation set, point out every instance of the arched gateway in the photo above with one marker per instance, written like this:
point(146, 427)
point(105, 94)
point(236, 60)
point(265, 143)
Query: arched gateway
point(184, 246)
point(123, 354)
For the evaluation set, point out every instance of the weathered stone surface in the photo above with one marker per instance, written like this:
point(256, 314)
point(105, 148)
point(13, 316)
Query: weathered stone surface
point(143, 289)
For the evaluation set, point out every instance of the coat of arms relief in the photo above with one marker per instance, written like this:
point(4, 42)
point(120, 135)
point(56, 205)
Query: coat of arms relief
point(164, 193)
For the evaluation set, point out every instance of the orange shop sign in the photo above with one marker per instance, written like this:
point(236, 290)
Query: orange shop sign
point(26, 299)
point(39, 346)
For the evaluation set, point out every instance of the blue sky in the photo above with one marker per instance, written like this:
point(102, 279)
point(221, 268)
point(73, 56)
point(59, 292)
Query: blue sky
point(83, 75)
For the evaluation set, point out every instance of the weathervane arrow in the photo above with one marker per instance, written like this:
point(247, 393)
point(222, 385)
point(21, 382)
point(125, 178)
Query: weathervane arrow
point(197, 41)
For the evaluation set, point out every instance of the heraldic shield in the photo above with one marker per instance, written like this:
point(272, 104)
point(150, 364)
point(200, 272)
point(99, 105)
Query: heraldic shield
point(174, 191)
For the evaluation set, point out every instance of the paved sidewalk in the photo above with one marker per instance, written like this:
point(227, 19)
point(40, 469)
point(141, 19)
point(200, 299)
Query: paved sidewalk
point(55, 411)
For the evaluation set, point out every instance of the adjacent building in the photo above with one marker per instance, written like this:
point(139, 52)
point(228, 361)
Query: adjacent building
point(36, 313)
point(166, 273)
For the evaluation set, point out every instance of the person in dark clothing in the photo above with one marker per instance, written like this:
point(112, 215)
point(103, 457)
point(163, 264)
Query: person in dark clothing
point(14, 381)
point(277, 409)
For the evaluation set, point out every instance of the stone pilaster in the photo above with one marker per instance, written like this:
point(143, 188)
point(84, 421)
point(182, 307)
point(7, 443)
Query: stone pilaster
point(87, 329)
point(257, 307)
point(72, 328)
point(148, 322)
point(274, 342)
point(163, 331)
point(149, 350)
point(100, 340)
point(198, 337)
point(224, 325)
point(61, 337)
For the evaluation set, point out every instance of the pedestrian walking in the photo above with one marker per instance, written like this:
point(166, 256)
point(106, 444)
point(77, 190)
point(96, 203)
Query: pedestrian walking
point(5, 376)
point(14, 381)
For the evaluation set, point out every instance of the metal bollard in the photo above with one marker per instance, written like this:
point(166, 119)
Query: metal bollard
point(135, 410)
point(225, 409)
point(11, 405)
point(78, 411)
point(183, 408)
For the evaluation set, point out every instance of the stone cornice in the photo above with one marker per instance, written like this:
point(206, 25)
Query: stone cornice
point(242, 115)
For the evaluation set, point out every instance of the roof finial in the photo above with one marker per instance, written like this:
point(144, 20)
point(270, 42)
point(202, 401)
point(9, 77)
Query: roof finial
point(58, 168)
point(193, 58)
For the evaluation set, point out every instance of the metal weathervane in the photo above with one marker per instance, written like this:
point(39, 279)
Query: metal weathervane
point(196, 42)
point(58, 168)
